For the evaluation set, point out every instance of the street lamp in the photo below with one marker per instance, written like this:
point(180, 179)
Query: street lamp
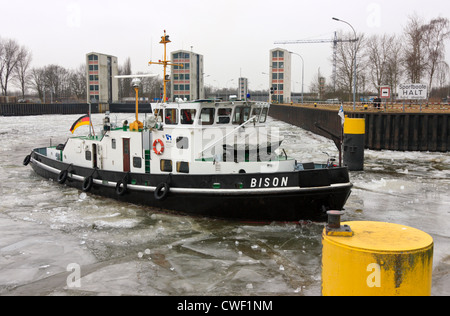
point(303, 70)
point(354, 62)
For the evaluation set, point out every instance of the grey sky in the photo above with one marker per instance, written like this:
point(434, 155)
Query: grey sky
point(234, 36)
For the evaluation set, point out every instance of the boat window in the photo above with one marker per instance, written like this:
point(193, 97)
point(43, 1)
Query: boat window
point(166, 165)
point(88, 155)
point(256, 112)
point(183, 167)
point(182, 142)
point(171, 117)
point(137, 162)
point(223, 116)
point(159, 115)
point(241, 114)
point(263, 116)
point(207, 116)
point(187, 116)
point(113, 143)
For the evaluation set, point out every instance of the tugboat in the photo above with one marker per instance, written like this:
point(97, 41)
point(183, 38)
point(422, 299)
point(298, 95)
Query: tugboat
point(208, 158)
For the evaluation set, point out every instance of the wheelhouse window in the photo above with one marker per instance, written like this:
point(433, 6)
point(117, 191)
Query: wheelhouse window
point(241, 114)
point(263, 117)
point(207, 116)
point(171, 117)
point(187, 116)
point(223, 116)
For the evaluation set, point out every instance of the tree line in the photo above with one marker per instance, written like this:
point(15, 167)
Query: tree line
point(416, 56)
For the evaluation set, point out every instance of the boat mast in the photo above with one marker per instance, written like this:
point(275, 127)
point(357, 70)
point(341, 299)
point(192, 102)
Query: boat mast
point(165, 40)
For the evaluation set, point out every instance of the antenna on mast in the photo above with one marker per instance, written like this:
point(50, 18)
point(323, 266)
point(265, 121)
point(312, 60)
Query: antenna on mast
point(165, 40)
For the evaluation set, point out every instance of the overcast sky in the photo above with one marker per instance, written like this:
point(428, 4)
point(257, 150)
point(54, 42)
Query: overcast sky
point(234, 36)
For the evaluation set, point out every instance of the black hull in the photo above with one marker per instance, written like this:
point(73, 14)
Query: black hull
point(292, 196)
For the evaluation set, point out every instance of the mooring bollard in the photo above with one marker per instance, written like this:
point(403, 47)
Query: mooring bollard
point(375, 259)
point(354, 136)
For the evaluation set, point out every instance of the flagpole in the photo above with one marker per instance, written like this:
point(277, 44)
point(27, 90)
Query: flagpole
point(90, 120)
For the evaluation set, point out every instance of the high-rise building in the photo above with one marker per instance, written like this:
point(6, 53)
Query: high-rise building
point(187, 81)
point(243, 88)
point(102, 87)
point(280, 75)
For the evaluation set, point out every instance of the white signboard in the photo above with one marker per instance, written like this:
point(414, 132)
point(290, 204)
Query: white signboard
point(385, 92)
point(413, 91)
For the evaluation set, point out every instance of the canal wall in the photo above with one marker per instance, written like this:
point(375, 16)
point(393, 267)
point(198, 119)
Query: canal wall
point(384, 130)
point(24, 109)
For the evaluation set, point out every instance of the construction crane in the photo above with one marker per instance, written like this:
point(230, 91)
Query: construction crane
point(335, 41)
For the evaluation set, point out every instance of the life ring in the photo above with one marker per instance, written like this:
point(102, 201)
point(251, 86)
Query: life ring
point(121, 187)
point(161, 150)
point(27, 160)
point(87, 184)
point(62, 177)
point(161, 191)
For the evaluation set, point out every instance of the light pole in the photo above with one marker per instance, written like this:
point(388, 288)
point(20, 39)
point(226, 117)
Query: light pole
point(303, 70)
point(354, 62)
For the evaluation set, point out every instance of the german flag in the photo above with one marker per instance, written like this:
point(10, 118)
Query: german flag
point(84, 120)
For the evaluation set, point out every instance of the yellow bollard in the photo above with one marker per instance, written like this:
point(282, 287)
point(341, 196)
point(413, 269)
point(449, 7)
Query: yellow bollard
point(376, 259)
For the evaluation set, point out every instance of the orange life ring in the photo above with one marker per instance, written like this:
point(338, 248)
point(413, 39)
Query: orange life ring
point(161, 150)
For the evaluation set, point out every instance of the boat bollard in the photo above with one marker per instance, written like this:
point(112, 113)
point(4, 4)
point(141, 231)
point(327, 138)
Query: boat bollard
point(375, 259)
point(354, 138)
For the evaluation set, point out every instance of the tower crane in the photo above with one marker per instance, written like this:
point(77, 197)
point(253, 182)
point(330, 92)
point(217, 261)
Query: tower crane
point(334, 41)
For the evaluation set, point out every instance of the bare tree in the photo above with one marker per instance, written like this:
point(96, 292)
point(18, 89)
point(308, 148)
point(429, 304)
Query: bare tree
point(77, 82)
point(23, 69)
point(414, 50)
point(393, 68)
point(125, 84)
point(9, 57)
point(38, 81)
point(435, 34)
point(377, 49)
point(345, 62)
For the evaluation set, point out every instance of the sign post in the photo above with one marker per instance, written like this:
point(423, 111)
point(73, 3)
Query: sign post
point(413, 91)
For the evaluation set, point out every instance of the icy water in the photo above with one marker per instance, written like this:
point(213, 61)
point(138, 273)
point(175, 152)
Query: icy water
point(50, 234)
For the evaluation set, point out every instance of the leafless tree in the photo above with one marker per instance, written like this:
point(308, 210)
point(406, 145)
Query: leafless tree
point(9, 57)
point(435, 34)
point(345, 61)
point(414, 49)
point(38, 81)
point(377, 49)
point(23, 75)
point(125, 89)
point(77, 82)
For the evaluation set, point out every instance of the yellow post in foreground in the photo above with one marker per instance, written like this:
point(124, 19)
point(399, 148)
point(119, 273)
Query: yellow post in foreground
point(377, 259)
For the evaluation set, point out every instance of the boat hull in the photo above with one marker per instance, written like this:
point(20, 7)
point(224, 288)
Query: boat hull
point(285, 196)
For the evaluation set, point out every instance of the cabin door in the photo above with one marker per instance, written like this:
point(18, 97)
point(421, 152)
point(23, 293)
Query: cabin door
point(126, 155)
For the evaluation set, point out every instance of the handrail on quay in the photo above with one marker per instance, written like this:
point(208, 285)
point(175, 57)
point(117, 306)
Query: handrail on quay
point(389, 107)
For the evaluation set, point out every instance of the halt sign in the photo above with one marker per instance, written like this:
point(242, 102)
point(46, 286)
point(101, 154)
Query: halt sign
point(413, 91)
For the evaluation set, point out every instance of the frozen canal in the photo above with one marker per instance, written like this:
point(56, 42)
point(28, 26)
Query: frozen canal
point(49, 233)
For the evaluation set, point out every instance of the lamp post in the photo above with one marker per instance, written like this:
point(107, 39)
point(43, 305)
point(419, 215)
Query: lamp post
point(354, 62)
point(303, 70)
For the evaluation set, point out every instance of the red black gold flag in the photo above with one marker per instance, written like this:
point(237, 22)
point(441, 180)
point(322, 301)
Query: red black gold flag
point(84, 120)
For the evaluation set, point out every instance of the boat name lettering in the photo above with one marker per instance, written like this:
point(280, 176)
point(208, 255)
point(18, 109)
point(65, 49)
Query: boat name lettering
point(269, 182)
